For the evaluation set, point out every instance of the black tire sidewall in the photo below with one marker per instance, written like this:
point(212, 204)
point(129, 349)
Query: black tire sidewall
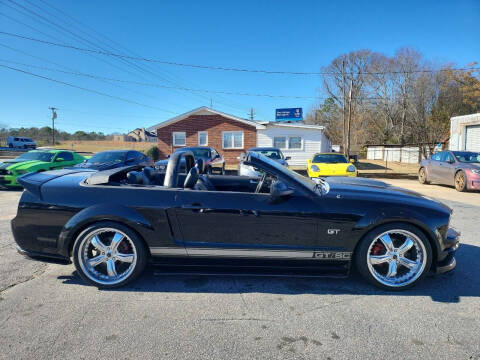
point(142, 254)
point(360, 256)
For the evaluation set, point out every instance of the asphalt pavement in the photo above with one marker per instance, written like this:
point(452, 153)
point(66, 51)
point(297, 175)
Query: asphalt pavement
point(47, 312)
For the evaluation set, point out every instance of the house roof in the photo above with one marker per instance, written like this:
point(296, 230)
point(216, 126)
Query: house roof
point(295, 125)
point(205, 111)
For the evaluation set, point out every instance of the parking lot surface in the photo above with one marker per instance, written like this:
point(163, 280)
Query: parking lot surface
point(47, 312)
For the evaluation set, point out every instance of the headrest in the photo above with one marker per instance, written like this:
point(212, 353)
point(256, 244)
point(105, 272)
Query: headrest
point(200, 164)
point(191, 178)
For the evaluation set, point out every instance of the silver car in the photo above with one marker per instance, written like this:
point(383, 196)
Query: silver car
point(270, 152)
point(456, 168)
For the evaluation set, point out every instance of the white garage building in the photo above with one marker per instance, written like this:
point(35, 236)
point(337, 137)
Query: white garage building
point(465, 132)
point(297, 140)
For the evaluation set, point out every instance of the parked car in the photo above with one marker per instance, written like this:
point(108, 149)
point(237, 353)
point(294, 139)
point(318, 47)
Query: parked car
point(36, 161)
point(213, 161)
point(21, 142)
point(112, 159)
point(270, 152)
point(455, 168)
point(110, 224)
point(330, 164)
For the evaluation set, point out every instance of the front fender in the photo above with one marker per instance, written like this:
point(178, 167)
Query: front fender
point(101, 212)
point(433, 224)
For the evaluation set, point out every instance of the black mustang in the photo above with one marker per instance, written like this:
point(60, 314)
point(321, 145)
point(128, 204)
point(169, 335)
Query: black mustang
point(113, 222)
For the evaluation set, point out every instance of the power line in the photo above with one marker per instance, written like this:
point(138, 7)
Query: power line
point(98, 77)
point(209, 67)
point(86, 89)
point(145, 69)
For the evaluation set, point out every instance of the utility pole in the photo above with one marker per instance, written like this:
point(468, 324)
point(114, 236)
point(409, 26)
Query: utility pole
point(54, 116)
point(349, 117)
point(251, 114)
point(211, 103)
point(343, 109)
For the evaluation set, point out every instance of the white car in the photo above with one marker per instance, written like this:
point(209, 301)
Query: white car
point(21, 142)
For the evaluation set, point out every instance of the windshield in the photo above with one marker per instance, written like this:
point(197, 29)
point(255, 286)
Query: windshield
point(106, 157)
point(36, 155)
point(467, 156)
point(307, 182)
point(330, 159)
point(272, 154)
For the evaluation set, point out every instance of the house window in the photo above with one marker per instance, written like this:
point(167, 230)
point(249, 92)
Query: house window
point(288, 142)
point(295, 143)
point(179, 139)
point(280, 142)
point(232, 139)
point(202, 138)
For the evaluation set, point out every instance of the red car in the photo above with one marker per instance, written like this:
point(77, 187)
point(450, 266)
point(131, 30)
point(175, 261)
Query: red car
point(458, 168)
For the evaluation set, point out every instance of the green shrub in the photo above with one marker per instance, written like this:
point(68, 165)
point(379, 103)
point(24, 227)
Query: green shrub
point(153, 153)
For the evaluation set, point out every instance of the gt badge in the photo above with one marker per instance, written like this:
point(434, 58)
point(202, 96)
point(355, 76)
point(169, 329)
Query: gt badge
point(332, 255)
point(333, 231)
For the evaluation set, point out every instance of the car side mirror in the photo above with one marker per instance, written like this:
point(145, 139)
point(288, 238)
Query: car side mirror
point(279, 191)
point(288, 158)
point(59, 160)
point(450, 161)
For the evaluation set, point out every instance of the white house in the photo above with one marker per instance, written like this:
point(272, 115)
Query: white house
point(297, 140)
point(465, 132)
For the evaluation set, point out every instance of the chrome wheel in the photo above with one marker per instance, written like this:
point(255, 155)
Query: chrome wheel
point(107, 256)
point(396, 258)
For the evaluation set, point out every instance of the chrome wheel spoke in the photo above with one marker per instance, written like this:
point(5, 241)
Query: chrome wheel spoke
point(402, 270)
point(392, 269)
point(407, 262)
point(117, 239)
point(97, 260)
point(97, 243)
point(127, 258)
point(387, 241)
point(407, 245)
point(111, 270)
point(378, 259)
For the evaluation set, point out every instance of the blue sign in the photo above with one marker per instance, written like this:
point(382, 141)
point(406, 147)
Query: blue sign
point(290, 114)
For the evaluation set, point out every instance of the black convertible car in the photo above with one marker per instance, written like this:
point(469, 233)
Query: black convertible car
point(111, 223)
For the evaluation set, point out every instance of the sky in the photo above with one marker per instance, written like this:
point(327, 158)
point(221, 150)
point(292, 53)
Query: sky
point(291, 36)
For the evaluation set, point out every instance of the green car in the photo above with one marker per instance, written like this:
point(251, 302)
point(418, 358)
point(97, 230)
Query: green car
point(36, 161)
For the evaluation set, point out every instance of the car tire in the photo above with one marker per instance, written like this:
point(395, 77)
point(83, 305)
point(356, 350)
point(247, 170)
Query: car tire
point(108, 266)
point(222, 171)
point(208, 170)
point(422, 176)
point(460, 181)
point(394, 256)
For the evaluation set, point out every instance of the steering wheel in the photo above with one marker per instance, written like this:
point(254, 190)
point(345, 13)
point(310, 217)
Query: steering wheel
point(260, 183)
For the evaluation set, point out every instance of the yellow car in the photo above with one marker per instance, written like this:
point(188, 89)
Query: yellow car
point(330, 164)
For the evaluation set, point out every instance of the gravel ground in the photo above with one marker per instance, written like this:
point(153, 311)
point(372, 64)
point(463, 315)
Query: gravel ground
point(47, 312)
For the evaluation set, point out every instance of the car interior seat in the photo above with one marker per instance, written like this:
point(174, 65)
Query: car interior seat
point(154, 176)
point(192, 178)
point(204, 183)
point(137, 178)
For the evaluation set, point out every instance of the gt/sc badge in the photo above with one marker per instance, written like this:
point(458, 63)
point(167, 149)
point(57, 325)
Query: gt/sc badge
point(332, 255)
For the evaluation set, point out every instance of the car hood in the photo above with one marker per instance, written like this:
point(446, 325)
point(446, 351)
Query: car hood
point(377, 190)
point(471, 166)
point(7, 163)
point(25, 164)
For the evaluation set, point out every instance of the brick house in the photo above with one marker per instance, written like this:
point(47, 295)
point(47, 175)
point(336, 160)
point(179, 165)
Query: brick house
point(231, 135)
point(228, 134)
